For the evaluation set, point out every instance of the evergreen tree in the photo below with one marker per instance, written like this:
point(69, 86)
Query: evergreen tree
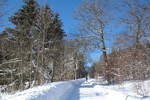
point(20, 42)
point(25, 17)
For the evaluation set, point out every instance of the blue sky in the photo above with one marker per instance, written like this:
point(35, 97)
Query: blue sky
point(8, 9)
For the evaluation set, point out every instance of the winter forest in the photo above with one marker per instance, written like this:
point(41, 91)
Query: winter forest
point(108, 48)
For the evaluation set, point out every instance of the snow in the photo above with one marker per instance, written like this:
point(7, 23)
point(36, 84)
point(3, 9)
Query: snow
point(126, 91)
point(85, 90)
point(52, 91)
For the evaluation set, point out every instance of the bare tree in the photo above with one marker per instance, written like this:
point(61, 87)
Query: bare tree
point(136, 17)
point(93, 20)
point(74, 59)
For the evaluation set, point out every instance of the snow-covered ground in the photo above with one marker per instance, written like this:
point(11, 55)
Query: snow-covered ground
point(126, 91)
point(52, 91)
point(82, 90)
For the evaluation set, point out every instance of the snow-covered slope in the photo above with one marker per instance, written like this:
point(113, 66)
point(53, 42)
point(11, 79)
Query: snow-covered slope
point(88, 90)
point(52, 91)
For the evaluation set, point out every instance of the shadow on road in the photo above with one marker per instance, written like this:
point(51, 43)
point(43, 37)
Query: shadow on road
point(75, 95)
point(87, 85)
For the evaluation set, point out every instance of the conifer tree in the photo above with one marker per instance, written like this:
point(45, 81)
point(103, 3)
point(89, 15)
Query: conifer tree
point(21, 35)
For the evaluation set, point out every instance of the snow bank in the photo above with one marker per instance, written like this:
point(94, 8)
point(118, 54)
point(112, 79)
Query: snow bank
point(52, 91)
point(131, 90)
point(134, 88)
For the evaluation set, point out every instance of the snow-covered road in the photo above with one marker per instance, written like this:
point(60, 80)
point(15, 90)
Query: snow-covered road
point(90, 91)
point(82, 90)
point(86, 92)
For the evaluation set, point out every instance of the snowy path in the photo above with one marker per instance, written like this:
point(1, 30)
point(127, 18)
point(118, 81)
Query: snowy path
point(79, 90)
point(83, 92)
point(90, 91)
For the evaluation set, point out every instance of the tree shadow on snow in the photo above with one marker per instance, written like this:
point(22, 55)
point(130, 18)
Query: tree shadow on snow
point(87, 85)
point(135, 97)
point(75, 94)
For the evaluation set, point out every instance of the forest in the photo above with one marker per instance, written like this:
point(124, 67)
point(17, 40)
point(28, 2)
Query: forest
point(37, 50)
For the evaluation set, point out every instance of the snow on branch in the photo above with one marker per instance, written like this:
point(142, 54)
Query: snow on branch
point(11, 61)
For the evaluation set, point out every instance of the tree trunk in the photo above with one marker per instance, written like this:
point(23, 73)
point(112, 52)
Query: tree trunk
point(107, 73)
point(138, 33)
